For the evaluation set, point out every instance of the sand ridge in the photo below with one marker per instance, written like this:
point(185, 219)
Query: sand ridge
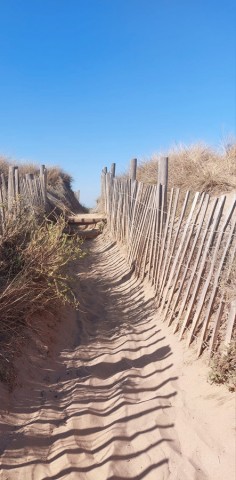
point(117, 397)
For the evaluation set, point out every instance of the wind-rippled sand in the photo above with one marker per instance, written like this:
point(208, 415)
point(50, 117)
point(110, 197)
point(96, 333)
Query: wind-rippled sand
point(108, 393)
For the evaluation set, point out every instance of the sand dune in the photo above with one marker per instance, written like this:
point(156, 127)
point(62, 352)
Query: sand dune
point(108, 393)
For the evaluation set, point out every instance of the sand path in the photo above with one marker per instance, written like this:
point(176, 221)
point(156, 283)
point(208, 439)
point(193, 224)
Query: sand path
point(109, 393)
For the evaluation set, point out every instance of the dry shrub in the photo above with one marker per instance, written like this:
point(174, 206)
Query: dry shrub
point(197, 167)
point(223, 368)
point(33, 261)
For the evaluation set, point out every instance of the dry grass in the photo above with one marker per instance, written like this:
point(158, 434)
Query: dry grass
point(197, 168)
point(33, 275)
point(223, 368)
point(55, 174)
point(62, 197)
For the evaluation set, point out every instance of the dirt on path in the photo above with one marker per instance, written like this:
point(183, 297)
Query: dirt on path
point(108, 393)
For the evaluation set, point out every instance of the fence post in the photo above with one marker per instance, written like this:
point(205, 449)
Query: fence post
point(113, 170)
point(133, 169)
point(4, 188)
point(163, 181)
point(17, 187)
point(11, 188)
point(43, 179)
point(104, 188)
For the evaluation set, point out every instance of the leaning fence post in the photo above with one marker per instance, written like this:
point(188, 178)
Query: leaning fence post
point(163, 181)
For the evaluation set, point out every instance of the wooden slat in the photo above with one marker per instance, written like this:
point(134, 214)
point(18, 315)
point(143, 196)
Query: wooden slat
point(188, 263)
point(140, 223)
point(209, 276)
point(200, 261)
point(216, 327)
point(143, 237)
point(163, 245)
point(230, 324)
point(214, 289)
point(159, 233)
point(4, 188)
point(185, 245)
point(177, 255)
point(169, 260)
point(11, 188)
point(169, 247)
point(151, 232)
point(133, 231)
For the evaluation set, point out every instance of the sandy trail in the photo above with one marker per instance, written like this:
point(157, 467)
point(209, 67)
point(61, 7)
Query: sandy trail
point(109, 393)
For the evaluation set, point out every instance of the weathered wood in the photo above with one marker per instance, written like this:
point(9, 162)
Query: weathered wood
point(184, 245)
point(43, 179)
point(190, 258)
point(139, 189)
point(230, 324)
point(133, 169)
point(209, 276)
point(171, 250)
point(11, 188)
point(17, 183)
point(163, 180)
point(145, 204)
point(4, 188)
point(159, 238)
point(171, 254)
point(163, 171)
point(216, 328)
point(168, 248)
point(113, 170)
point(142, 226)
point(2, 211)
point(177, 258)
point(164, 241)
point(86, 218)
point(203, 253)
point(150, 233)
point(215, 288)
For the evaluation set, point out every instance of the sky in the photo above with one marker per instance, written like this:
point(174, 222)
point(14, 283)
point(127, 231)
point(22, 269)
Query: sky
point(84, 83)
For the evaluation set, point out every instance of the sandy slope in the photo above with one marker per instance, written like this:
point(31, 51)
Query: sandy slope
point(109, 393)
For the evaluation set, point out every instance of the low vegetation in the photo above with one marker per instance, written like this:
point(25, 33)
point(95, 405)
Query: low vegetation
point(34, 256)
point(223, 368)
point(197, 167)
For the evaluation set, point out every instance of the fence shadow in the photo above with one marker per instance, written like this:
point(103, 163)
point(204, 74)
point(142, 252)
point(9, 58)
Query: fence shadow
point(103, 404)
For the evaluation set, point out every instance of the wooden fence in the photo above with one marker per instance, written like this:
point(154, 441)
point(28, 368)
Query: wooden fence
point(186, 249)
point(21, 192)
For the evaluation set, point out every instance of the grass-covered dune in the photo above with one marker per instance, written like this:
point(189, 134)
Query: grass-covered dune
point(60, 193)
point(197, 167)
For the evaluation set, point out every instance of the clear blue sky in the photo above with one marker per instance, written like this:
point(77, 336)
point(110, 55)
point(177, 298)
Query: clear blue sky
point(84, 83)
